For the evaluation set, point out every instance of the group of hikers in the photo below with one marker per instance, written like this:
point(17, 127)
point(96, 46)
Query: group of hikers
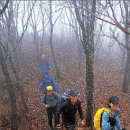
point(62, 108)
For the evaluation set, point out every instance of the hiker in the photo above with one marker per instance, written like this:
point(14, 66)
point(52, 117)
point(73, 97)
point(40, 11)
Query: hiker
point(44, 65)
point(112, 122)
point(110, 119)
point(68, 111)
point(48, 81)
point(50, 102)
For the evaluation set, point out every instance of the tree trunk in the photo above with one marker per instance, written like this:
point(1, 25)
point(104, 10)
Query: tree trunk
point(19, 87)
point(126, 81)
point(51, 42)
point(79, 46)
point(11, 91)
point(89, 81)
point(87, 27)
point(14, 54)
point(36, 37)
point(12, 33)
point(4, 7)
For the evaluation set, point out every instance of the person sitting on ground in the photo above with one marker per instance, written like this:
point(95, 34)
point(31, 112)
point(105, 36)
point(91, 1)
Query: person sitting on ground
point(50, 102)
point(112, 122)
point(68, 110)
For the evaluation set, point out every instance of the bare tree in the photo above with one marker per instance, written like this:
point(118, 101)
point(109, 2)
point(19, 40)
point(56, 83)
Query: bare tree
point(122, 23)
point(86, 22)
point(51, 38)
point(126, 81)
point(73, 23)
point(43, 27)
point(10, 87)
point(34, 25)
point(4, 7)
point(7, 63)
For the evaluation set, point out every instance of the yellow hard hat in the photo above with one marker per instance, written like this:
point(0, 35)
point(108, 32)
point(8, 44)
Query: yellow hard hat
point(49, 88)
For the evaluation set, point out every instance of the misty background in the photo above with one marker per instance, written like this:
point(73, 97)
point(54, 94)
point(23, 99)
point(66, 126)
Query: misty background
point(86, 42)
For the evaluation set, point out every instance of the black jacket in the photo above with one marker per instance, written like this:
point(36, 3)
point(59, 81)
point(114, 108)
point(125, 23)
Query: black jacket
point(68, 111)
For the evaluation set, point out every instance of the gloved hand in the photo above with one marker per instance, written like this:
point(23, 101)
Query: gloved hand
point(112, 121)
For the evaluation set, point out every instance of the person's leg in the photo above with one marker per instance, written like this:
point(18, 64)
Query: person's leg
point(49, 116)
point(55, 114)
point(70, 128)
point(45, 74)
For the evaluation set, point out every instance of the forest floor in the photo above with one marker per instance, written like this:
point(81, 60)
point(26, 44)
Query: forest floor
point(107, 82)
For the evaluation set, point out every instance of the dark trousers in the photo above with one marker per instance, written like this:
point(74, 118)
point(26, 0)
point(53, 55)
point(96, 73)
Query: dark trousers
point(52, 111)
point(44, 74)
point(70, 128)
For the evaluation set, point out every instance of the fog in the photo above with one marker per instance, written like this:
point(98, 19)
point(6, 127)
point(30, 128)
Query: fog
point(64, 37)
point(86, 44)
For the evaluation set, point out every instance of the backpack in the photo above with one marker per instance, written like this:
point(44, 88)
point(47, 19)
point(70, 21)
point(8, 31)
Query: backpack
point(98, 117)
point(48, 81)
point(56, 96)
point(62, 99)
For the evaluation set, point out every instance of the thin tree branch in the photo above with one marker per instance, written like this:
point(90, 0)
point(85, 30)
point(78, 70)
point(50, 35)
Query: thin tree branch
point(116, 23)
point(26, 25)
point(4, 8)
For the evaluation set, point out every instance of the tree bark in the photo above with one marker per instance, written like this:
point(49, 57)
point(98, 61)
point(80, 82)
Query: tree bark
point(11, 90)
point(4, 8)
point(51, 42)
point(19, 87)
point(87, 27)
point(126, 80)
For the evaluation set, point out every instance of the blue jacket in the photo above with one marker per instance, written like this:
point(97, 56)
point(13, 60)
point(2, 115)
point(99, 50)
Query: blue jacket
point(106, 125)
point(44, 66)
point(48, 81)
